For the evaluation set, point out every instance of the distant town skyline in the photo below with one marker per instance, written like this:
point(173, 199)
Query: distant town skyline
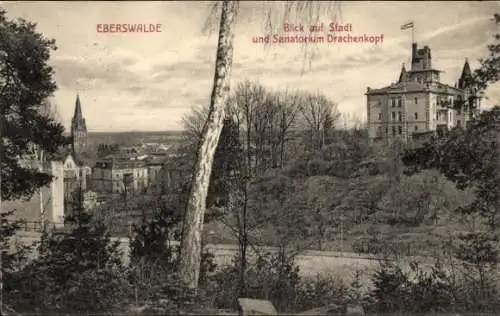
point(148, 81)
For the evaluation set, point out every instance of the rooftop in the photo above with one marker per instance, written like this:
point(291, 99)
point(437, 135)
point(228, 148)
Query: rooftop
point(130, 160)
point(405, 87)
point(119, 164)
point(424, 70)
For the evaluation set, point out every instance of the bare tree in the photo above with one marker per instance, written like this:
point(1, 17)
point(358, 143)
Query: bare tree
point(193, 123)
point(288, 106)
point(49, 109)
point(242, 108)
point(248, 98)
point(317, 111)
point(309, 11)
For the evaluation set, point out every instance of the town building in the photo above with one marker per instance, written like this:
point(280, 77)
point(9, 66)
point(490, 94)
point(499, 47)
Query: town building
point(154, 165)
point(76, 176)
point(419, 104)
point(174, 173)
point(122, 173)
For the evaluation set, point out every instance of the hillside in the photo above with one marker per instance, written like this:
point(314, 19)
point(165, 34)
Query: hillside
point(395, 221)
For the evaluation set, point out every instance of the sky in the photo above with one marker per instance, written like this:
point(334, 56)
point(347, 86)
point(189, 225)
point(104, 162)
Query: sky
point(148, 81)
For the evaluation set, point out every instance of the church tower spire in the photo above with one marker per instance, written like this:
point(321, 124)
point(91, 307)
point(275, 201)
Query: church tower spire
point(78, 129)
point(466, 78)
point(78, 107)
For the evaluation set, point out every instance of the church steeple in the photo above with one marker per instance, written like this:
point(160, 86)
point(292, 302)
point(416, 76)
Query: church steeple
point(78, 107)
point(466, 70)
point(402, 75)
point(78, 129)
point(465, 79)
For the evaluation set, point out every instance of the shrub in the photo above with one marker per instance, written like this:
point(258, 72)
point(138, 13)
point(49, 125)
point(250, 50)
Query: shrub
point(276, 278)
point(438, 290)
point(153, 270)
point(79, 270)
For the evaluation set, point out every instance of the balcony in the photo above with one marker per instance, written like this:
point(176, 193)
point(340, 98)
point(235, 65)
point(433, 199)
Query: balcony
point(445, 104)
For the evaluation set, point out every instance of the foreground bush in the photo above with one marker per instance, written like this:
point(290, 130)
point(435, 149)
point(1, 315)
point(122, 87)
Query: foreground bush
point(276, 278)
point(153, 272)
point(78, 270)
point(440, 289)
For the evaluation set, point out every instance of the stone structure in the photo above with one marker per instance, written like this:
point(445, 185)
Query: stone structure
point(57, 193)
point(48, 199)
point(250, 306)
point(418, 102)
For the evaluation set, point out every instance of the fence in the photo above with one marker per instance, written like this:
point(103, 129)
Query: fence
point(36, 226)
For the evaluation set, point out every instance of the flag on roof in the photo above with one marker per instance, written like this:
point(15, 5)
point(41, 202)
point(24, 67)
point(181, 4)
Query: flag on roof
point(406, 26)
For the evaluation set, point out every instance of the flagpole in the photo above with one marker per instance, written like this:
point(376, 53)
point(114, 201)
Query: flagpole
point(413, 33)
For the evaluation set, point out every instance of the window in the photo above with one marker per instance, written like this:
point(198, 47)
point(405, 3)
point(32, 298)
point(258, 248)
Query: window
point(393, 103)
point(400, 130)
point(400, 117)
point(380, 116)
point(394, 131)
point(459, 123)
point(415, 128)
point(416, 116)
point(437, 116)
point(416, 100)
point(393, 115)
point(399, 103)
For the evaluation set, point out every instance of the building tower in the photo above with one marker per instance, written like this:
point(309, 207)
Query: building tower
point(471, 98)
point(465, 79)
point(78, 130)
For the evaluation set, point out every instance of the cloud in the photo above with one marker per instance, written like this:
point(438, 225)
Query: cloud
point(184, 69)
point(76, 73)
point(476, 31)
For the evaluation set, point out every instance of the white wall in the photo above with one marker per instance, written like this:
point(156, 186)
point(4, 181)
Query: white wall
point(57, 191)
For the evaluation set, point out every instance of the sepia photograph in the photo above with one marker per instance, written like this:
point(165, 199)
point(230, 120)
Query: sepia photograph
point(250, 158)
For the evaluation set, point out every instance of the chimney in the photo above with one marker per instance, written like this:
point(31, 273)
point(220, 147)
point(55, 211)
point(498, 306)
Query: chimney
point(413, 51)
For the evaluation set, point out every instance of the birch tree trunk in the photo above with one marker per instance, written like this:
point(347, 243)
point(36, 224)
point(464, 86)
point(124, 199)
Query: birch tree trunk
point(190, 258)
point(42, 206)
